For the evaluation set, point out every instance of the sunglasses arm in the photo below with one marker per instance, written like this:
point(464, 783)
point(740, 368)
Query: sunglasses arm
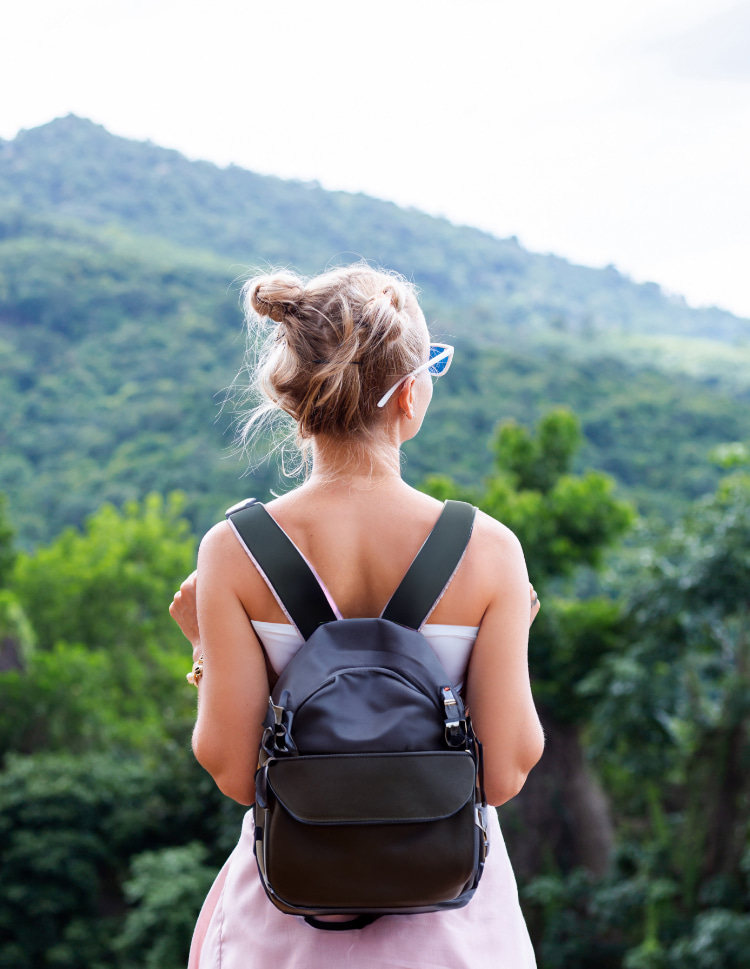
point(387, 396)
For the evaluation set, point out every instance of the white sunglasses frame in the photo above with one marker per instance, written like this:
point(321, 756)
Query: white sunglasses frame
point(447, 351)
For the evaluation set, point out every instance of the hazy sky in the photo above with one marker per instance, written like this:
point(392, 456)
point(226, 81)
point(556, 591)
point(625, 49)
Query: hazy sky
point(602, 130)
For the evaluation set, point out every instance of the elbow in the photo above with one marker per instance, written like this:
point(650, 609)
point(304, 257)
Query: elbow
point(504, 789)
point(233, 783)
point(509, 782)
point(241, 791)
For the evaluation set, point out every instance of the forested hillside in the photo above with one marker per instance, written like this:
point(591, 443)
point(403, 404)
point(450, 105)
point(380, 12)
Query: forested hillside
point(120, 346)
point(75, 168)
point(120, 332)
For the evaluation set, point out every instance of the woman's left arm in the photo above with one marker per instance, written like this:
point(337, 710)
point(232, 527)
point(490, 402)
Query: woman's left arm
point(233, 689)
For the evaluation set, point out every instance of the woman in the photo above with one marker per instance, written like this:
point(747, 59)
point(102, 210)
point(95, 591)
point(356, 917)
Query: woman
point(348, 357)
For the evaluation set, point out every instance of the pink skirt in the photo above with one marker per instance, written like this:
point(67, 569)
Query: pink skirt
point(238, 928)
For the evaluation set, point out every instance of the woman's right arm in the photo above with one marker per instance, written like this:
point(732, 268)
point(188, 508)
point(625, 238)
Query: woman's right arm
point(233, 690)
point(498, 689)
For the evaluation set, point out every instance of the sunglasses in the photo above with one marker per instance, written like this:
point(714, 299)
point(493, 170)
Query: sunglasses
point(441, 355)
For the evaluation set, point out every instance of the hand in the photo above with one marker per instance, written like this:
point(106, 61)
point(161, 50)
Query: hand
point(185, 613)
point(535, 604)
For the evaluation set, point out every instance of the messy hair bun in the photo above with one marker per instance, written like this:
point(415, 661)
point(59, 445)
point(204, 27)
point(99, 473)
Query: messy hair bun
point(339, 342)
point(271, 296)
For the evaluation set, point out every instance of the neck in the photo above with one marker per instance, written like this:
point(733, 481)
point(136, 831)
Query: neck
point(354, 460)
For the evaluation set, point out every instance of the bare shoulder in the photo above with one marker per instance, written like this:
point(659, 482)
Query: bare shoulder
point(220, 552)
point(492, 572)
point(494, 539)
point(497, 563)
point(218, 540)
point(224, 566)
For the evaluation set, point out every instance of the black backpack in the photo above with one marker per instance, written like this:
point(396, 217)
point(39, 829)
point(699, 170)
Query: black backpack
point(369, 797)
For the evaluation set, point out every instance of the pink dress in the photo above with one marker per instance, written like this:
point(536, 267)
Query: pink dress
point(239, 928)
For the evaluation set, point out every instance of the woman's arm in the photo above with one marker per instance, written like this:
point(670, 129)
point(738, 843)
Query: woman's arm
point(498, 690)
point(233, 690)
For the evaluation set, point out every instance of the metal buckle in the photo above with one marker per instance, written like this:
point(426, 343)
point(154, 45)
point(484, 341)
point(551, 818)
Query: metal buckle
point(240, 505)
point(480, 819)
point(448, 698)
point(455, 728)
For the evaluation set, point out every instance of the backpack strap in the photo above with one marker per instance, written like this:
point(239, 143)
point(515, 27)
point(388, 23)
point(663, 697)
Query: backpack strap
point(434, 566)
point(288, 575)
point(299, 592)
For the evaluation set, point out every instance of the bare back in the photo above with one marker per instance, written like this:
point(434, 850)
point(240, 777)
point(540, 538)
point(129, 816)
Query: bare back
point(361, 542)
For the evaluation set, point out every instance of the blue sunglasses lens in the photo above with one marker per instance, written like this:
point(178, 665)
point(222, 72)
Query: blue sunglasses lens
point(441, 365)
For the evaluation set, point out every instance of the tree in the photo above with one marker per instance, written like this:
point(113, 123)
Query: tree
point(81, 841)
point(166, 889)
point(672, 729)
point(7, 552)
point(16, 635)
point(109, 663)
point(111, 583)
point(563, 521)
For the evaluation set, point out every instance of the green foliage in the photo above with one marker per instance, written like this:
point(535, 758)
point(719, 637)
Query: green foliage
point(80, 838)
point(568, 526)
point(108, 392)
point(475, 279)
point(719, 939)
point(651, 433)
point(585, 923)
point(110, 663)
point(119, 324)
point(108, 585)
point(7, 552)
point(671, 733)
point(77, 699)
point(167, 888)
point(595, 924)
point(16, 634)
point(685, 674)
point(563, 521)
point(729, 456)
point(571, 639)
point(537, 463)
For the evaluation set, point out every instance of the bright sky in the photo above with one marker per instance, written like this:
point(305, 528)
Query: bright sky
point(606, 131)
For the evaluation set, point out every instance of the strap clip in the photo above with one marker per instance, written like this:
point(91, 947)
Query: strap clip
point(240, 506)
point(455, 725)
point(480, 819)
point(277, 734)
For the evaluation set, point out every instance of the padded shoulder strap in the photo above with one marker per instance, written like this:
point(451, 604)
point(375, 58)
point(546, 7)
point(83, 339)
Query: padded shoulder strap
point(282, 565)
point(434, 566)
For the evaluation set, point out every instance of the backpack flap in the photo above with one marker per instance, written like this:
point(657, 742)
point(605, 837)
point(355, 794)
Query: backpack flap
point(341, 833)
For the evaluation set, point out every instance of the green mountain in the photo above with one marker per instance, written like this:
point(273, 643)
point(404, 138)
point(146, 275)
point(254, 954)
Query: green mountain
point(75, 168)
point(120, 332)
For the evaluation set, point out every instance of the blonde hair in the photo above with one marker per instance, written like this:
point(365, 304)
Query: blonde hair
point(337, 343)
